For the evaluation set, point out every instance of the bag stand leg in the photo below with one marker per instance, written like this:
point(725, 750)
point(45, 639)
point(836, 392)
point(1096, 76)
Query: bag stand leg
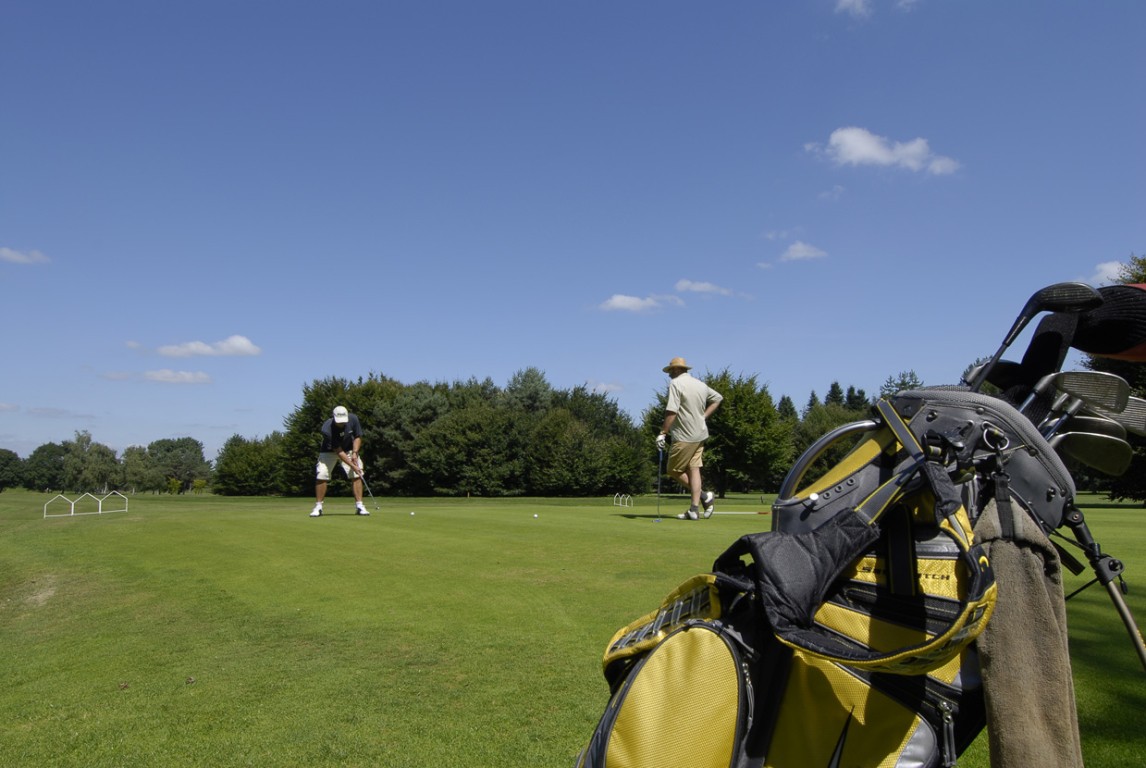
point(1106, 569)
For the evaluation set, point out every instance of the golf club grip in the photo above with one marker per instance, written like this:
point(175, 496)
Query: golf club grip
point(1117, 328)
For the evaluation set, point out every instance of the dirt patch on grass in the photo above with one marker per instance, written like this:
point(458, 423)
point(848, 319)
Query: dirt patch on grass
point(41, 591)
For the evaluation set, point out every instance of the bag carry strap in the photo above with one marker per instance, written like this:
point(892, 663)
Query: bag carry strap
point(794, 572)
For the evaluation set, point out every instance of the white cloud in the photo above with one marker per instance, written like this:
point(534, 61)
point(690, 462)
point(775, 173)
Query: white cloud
point(9, 407)
point(168, 376)
point(859, 146)
point(20, 257)
point(229, 347)
point(1107, 273)
point(604, 387)
point(621, 302)
point(692, 286)
point(862, 9)
point(801, 251)
point(859, 8)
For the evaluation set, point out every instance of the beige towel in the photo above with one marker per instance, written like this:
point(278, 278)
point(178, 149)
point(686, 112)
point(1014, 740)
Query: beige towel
point(1031, 717)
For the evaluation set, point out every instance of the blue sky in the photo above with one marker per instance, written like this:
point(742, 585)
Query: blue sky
point(206, 205)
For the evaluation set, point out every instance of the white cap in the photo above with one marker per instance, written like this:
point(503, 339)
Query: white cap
point(341, 416)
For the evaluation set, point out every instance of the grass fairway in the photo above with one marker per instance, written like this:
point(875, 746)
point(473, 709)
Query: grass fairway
point(207, 631)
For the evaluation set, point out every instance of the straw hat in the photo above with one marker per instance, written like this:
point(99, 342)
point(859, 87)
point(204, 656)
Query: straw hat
point(676, 362)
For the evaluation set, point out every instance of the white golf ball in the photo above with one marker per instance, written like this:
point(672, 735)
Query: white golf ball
point(535, 515)
point(411, 514)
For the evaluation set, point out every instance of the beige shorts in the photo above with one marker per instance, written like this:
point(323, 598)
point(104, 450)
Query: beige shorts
point(682, 456)
point(325, 466)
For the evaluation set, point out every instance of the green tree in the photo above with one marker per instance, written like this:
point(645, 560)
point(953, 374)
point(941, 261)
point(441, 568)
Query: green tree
point(470, 451)
point(11, 469)
point(139, 471)
point(249, 467)
point(400, 422)
point(180, 459)
point(900, 382)
point(529, 391)
point(835, 394)
point(856, 400)
point(563, 458)
point(90, 467)
point(787, 409)
point(44, 468)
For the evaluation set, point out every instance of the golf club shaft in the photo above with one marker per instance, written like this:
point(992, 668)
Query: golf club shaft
point(361, 476)
point(660, 471)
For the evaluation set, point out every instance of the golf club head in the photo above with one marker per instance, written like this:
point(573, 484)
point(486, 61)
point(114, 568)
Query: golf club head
point(1060, 297)
point(1096, 424)
point(1095, 388)
point(1132, 416)
point(1109, 455)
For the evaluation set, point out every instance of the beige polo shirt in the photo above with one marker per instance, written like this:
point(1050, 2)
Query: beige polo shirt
point(688, 397)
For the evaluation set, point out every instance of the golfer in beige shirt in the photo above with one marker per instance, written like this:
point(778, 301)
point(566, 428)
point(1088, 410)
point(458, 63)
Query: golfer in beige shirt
point(690, 403)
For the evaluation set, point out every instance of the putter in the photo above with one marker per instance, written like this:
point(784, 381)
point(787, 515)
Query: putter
point(1109, 455)
point(1060, 297)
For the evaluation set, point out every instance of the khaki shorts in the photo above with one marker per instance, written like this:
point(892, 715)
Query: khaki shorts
point(325, 466)
point(682, 456)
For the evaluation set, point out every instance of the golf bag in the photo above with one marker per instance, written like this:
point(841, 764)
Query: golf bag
point(848, 626)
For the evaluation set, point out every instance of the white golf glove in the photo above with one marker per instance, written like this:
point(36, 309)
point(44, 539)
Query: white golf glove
point(660, 442)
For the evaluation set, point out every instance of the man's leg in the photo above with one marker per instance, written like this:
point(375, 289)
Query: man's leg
point(694, 485)
point(319, 495)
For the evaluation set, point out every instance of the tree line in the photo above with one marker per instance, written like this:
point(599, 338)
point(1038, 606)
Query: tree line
point(85, 466)
point(465, 438)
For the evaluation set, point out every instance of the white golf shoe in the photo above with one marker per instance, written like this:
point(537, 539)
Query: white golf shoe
point(317, 511)
point(360, 509)
point(707, 502)
point(689, 515)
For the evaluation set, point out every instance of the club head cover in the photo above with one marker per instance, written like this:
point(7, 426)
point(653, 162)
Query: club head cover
point(1116, 329)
